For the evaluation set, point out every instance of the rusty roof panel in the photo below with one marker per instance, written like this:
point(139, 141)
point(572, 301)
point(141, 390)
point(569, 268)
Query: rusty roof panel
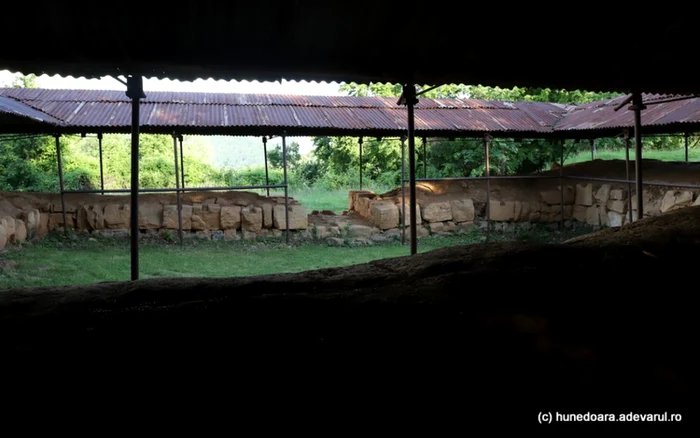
point(110, 109)
point(12, 109)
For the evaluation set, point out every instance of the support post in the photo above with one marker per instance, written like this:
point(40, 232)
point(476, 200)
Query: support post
point(134, 91)
point(411, 100)
point(686, 147)
point(593, 149)
point(359, 141)
point(403, 190)
point(61, 184)
point(102, 175)
point(627, 173)
point(182, 162)
point(267, 176)
point(637, 106)
point(178, 193)
point(561, 183)
point(487, 146)
point(286, 187)
point(425, 158)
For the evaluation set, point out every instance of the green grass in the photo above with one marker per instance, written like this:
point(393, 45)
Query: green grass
point(321, 199)
point(59, 260)
point(672, 155)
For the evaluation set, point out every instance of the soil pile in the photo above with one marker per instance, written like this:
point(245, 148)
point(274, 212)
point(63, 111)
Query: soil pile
point(480, 332)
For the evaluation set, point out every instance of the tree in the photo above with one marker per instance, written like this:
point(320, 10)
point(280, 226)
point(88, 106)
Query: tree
point(24, 81)
point(275, 159)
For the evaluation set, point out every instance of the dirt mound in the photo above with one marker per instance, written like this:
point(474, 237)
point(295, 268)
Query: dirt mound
point(483, 332)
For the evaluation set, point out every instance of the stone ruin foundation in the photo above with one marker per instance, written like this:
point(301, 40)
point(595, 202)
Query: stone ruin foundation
point(443, 208)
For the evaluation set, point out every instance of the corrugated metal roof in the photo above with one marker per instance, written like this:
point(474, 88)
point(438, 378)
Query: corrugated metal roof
point(110, 111)
point(602, 115)
point(20, 113)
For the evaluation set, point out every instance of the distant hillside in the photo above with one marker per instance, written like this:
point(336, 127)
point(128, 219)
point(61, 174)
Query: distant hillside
point(241, 152)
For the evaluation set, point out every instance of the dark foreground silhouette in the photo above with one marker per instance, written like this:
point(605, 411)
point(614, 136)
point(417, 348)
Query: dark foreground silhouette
point(490, 333)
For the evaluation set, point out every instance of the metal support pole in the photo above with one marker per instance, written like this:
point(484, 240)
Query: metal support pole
point(178, 194)
point(286, 187)
point(182, 162)
point(134, 91)
point(403, 191)
point(487, 146)
point(360, 142)
point(267, 176)
point(637, 106)
point(592, 149)
point(61, 185)
point(627, 173)
point(102, 177)
point(561, 184)
point(425, 158)
point(411, 100)
point(686, 147)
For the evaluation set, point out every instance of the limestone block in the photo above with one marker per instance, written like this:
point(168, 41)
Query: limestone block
point(267, 216)
point(150, 216)
point(501, 211)
point(593, 216)
point(352, 197)
point(615, 219)
point(581, 213)
point(231, 234)
point(407, 221)
point(603, 216)
point(553, 197)
point(617, 206)
point(198, 223)
point(298, 217)
point(674, 200)
point(602, 195)
point(3, 237)
point(360, 231)
point(252, 219)
point(618, 194)
point(437, 212)
point(230, 218)
point(584, 194)
point(523, 210)
point(211, 215)
point(170, 220)
point(116, 216)
point(384, 214)
point(437, 227)
point(462, 210)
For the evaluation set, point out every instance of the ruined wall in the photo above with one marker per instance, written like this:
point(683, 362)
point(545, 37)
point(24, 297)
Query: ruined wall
point(205, 215)
point(450, 209)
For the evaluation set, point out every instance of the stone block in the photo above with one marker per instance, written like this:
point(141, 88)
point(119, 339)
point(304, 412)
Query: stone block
point(437, 212)
point(602, 195)
point(170, 217)
point(675, 199)
point(252, 219)
point(231, 218)
point(584, 194)
point(501, 211)
point(267, 216)
point(384, 214)
point(617, 206)
point(298, 217)
point(462, 210)
point(117, 216)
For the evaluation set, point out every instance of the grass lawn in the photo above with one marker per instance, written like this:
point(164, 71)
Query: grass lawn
point(673, 155)
point(59, 260)
point(320, 199)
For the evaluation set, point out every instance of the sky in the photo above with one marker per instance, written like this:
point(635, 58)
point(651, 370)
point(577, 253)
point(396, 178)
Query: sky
point(200, 85)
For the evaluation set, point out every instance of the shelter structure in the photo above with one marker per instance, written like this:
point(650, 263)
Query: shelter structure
point(61, 112)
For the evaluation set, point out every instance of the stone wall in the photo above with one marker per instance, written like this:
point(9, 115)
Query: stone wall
point(597, 205)
point(205, 215)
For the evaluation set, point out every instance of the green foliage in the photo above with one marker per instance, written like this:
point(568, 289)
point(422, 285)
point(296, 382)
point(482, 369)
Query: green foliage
point(275, 158)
